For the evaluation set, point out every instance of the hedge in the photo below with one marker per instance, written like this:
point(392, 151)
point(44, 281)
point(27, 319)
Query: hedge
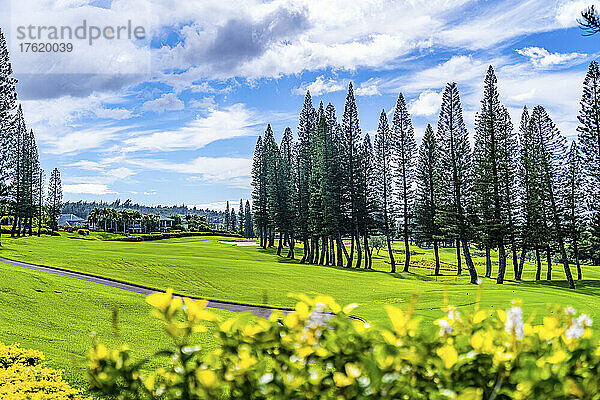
point(7, 229)
point(23, 376)
point(310, 354)
point(170, 235)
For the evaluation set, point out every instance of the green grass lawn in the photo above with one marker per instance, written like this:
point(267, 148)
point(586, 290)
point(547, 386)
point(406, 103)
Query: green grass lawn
point(204, 267)
point(57, 315)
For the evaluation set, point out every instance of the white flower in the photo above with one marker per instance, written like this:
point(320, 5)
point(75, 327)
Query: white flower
point(585, 320)
point(445, 327)
point(570, 311)
point(578, 325)
point(514, 322)
point(453, 315)
point(479, 281)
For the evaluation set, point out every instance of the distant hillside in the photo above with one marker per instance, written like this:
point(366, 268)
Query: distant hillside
point(83, 209)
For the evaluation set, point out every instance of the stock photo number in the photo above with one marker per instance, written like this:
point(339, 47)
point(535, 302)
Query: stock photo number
point(46, 47)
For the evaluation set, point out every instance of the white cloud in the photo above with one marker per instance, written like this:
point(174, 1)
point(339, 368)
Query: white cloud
point(228, 171)
point(167, 102)
point(320, 86)
point(369, 87)
point(203, 103)
point(87, 188)
point(427, 104)
point(79, 140)
point(542, 58)
point(569, 11)
point(229, 122)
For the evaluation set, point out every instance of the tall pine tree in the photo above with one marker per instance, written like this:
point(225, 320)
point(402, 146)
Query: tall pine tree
point(404, 154)
point(455, 179)
point(350, 162)
point(552, 149)
point(575, 201)
point(384, 166)
point(427, 180)
point(55, 198)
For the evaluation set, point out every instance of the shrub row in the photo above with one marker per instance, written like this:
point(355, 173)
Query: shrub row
point(22, 376)
point(6, 229)
point(171, 235)
point(310, 354)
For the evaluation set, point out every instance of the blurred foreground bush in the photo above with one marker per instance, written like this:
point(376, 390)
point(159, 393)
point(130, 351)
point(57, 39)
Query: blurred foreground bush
point(22, 377)
point(310, 354)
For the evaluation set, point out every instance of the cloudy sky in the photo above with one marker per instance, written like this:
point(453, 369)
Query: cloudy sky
point(174, 118)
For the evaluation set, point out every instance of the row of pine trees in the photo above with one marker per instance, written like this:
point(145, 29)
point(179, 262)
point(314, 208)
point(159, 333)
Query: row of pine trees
point(522, 191)
point(240, 223)
point(21, 176)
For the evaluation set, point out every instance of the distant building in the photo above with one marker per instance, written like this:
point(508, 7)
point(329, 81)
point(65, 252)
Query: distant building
point(71, 221)
point(166, 224)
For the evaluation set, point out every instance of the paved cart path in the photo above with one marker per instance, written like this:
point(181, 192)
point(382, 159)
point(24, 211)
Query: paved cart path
point(256, 310)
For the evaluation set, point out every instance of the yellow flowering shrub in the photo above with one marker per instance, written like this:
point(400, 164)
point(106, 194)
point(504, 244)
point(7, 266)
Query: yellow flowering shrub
point(23, 377)
point(314, 354)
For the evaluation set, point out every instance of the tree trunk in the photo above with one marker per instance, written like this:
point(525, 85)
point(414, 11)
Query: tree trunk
point(469, 262)
point(367, 253)
point(315, 252)
point(458, 261)
point(406, 248)
point(549, 262)
point(538, 259)
point(341, 250)
point(514, 258)
point(332, 251)
point(306, 252)
point(280, 245)
point(576, 254)
point(324, 253)
point(501, 264)
point(521, 264)
point(565, 262)
point(358, 247)
point(292, 243)
point(392, 261)
point(351, 257)
point(488, 261)
point(437, 257)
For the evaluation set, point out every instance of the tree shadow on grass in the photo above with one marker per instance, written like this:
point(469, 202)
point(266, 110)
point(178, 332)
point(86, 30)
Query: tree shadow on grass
point(398, 275)
point(589, 287)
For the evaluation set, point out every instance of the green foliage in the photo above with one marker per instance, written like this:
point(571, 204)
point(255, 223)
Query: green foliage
point(23, 376)
point(312, 353)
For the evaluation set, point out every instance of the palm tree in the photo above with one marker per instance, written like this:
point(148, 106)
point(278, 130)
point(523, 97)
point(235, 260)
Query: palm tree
point(93, 217)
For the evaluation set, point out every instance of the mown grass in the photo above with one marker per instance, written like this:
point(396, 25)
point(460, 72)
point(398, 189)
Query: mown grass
point(57, 315)
point(204, 267)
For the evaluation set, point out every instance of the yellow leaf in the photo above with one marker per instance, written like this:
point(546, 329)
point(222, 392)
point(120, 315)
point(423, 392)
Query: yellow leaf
point(502, 315)
point(302, 310)
point(349, 308)
point(480, 316)
point(160, 300)
point(557, 357)
point(398, 319)
point(471, 394)
point(305, 351)
point(448, 355)
point(352, 371)
point(206, 377)
point(341, 380)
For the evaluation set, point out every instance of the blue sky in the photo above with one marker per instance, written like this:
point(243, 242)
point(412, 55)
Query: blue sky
point(174, 118)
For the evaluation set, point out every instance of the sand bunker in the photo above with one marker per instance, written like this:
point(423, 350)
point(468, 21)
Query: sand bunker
point(240, 243)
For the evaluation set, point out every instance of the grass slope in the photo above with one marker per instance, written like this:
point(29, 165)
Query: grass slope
point(56, 315)
point(248, 274)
